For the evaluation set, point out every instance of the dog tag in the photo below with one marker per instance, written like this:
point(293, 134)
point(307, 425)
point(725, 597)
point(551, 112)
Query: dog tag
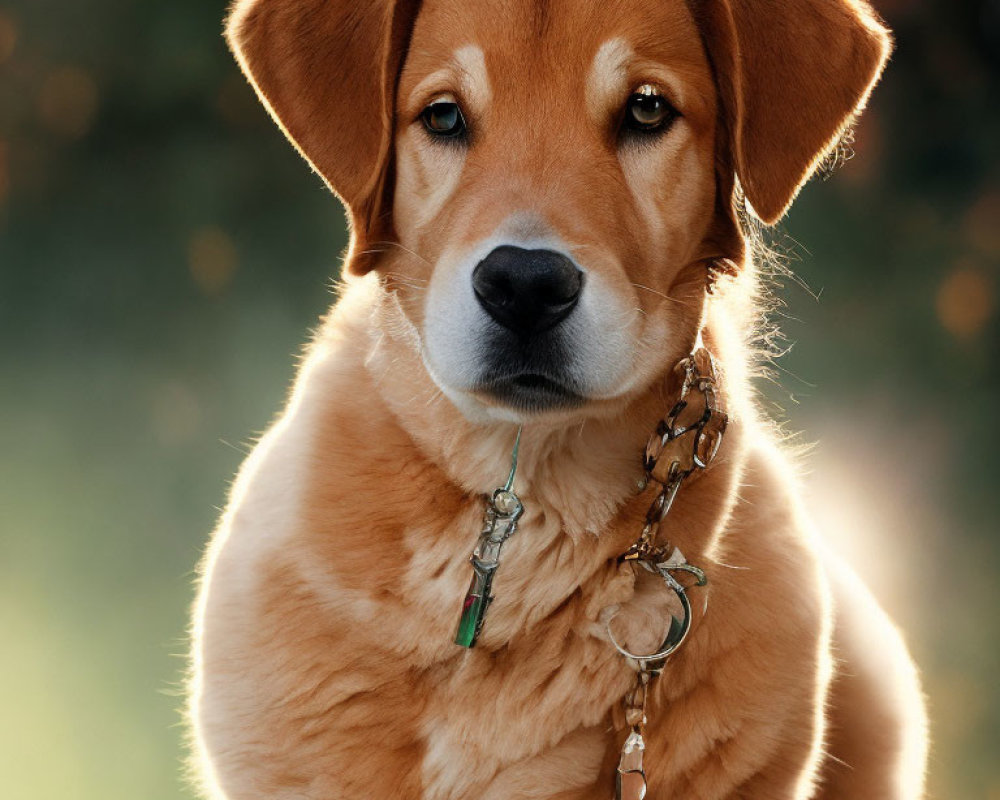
point(499, 523)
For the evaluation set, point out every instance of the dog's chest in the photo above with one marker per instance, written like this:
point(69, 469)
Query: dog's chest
point(542, 682)
point(496, 719)
point(391, 566)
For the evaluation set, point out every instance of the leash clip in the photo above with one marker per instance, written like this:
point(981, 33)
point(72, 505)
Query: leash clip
point(503, 511)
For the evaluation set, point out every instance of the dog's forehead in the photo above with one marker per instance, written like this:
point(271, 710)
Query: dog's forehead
point(519, 44)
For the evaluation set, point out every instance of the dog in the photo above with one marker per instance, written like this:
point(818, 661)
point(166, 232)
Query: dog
point(550, 206)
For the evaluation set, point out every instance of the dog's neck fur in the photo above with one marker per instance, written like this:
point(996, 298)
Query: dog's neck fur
point(585, 473)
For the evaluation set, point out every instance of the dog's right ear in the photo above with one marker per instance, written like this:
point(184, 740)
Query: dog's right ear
point(792, 74)
point(326, 70)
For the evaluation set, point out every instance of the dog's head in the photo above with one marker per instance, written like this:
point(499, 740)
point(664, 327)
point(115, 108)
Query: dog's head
point(545, 183)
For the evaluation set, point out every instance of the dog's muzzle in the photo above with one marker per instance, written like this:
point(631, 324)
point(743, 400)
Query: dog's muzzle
point(528, 294)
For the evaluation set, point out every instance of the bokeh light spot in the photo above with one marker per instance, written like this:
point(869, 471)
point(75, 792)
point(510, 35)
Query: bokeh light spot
point(965, 302)
point(8, 37)
point(67, 102)
point(212, 260)
point(982, 223)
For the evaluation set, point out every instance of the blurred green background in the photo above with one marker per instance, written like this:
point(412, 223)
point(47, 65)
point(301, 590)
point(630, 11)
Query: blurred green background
point(163, 254)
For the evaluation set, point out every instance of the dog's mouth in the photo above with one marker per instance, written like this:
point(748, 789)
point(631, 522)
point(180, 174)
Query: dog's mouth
point(532, 391)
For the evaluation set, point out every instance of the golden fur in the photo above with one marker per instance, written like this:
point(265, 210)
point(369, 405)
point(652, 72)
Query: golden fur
point(323, 662)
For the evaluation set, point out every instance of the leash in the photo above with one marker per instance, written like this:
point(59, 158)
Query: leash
point(684, 444)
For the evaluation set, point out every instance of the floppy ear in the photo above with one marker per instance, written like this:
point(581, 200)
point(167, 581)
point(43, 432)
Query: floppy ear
point(791, 74)
point(326, 70)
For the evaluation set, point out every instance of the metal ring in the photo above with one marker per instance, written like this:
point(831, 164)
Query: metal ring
point(674, 637)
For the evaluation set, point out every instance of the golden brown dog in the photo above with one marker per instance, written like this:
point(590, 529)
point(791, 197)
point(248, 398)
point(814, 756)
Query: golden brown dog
point(541, 194)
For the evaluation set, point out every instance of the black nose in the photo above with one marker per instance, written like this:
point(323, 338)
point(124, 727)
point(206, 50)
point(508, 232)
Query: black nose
point(527, 291)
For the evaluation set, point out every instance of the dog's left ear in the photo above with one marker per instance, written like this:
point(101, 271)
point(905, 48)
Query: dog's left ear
point(792, 74)
point(327, 71)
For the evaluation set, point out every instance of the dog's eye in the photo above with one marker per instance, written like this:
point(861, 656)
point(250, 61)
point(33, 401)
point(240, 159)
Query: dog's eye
point(648, 110)
point(443, 118)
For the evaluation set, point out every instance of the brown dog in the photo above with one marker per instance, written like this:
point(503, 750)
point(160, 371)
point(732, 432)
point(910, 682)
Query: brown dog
point(541, 195)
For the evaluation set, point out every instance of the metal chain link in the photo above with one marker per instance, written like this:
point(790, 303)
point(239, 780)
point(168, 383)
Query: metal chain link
point(674, 452)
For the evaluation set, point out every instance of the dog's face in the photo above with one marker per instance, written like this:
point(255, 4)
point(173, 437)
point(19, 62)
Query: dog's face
point(542, 183)
point(554, 184)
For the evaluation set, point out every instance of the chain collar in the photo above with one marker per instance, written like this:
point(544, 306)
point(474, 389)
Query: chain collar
point(676, 452)
point(683, 445)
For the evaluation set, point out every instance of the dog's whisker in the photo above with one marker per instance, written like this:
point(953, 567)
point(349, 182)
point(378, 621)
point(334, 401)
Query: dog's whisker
point(404, 248)
point(436, 395)
point(395, 279)
point(401, 276)
point(731, 566)
point(658, 293)
point(415, 288)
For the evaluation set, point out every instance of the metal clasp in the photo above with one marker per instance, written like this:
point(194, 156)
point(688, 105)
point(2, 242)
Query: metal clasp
point(503, 511)
point(656, 561)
